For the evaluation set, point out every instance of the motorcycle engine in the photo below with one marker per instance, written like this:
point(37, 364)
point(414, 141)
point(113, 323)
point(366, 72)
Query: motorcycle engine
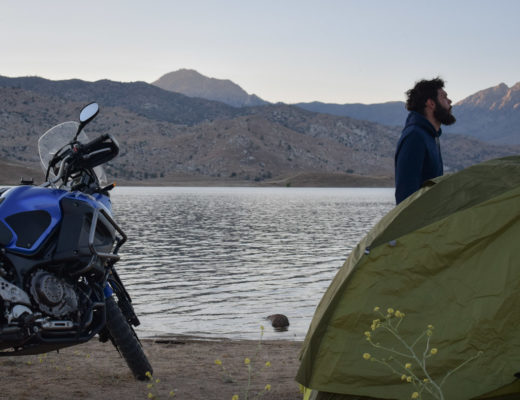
point(54, 296)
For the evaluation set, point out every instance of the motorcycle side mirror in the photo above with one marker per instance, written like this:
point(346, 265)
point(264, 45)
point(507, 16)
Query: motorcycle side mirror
point(86, 115)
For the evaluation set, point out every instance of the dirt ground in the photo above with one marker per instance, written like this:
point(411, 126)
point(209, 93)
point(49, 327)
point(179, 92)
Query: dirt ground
point(184, 368)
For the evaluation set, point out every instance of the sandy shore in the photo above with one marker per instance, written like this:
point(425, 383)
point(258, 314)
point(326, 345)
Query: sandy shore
point(185, 366)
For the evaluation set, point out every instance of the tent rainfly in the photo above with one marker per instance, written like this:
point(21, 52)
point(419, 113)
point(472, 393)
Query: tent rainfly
point(448, 259)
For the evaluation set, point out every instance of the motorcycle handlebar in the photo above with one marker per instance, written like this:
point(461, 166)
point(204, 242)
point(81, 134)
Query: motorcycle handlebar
point(92, 145)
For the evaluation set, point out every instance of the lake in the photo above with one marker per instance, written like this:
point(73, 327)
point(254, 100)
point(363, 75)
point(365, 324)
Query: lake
point(214, 262)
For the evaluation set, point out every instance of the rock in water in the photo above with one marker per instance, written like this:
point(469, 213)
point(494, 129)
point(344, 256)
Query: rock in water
point(279, 321)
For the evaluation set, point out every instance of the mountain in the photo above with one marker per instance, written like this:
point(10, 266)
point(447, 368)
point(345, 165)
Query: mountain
point(193, 84)
point(491, 115)
point(392, 113)
point(139, 97)
point(182, 140)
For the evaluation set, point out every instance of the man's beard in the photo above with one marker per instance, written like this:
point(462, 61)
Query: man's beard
point(442, 115)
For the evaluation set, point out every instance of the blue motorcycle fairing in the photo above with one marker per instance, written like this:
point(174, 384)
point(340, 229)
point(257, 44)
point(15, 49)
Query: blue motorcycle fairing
point(31, 213)
point(104, 200)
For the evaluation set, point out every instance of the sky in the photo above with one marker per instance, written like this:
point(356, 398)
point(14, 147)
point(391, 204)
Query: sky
point(333, 51)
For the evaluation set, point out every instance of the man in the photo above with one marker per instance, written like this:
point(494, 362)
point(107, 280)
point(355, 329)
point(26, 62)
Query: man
point(418, 155)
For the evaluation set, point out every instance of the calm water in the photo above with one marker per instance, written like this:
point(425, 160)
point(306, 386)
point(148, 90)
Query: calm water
point(215, 262)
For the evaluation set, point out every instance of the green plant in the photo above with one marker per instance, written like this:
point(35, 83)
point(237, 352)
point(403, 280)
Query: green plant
point(153, 387)
point(409, 361)
point(251, 373)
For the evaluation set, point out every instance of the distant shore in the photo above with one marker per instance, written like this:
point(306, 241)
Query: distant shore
point(186, 366)
point(297, 180)
point(12, 173)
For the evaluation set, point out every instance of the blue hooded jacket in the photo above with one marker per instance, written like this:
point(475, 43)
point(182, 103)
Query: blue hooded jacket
point(418, 156)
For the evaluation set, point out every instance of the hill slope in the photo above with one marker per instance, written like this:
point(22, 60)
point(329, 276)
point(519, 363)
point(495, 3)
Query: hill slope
point(254, 145)
point(139, 97)
point(491, 115)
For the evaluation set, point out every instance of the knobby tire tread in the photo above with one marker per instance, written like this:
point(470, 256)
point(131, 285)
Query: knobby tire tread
point(126, 341)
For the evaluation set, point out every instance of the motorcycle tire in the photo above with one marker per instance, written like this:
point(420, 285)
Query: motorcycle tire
point(125, 340)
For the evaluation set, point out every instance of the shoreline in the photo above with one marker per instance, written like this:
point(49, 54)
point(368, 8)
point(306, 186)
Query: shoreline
point(185, 365)
point(11, 173)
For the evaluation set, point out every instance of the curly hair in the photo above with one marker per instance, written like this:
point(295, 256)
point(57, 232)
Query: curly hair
point(421, 92)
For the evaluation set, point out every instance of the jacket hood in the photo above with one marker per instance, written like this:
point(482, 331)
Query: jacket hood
point(415, 118)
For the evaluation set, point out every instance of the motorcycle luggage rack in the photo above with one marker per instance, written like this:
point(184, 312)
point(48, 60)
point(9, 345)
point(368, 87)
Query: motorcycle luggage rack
point(113, 257)
point(92, 233)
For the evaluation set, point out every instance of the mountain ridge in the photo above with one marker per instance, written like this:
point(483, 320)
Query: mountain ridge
point(491, 115)
point(273, 144)
point(193, 84)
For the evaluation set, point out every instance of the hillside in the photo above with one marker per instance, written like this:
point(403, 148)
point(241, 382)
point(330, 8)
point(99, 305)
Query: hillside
point(274, 144)
point(392, 113)
point(139, 97)
point(11, 173)
point(491, 115)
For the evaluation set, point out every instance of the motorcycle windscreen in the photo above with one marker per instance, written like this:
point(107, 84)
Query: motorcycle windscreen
point(58, 137)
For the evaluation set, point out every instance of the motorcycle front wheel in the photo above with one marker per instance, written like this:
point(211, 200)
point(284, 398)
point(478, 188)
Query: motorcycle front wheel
point(126, 341)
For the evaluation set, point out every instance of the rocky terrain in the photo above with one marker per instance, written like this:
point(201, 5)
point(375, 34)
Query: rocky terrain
point(491, 115)
point(170, 138)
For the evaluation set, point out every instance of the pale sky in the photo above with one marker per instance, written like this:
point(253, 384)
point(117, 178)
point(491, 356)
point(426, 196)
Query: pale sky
point(334, 51)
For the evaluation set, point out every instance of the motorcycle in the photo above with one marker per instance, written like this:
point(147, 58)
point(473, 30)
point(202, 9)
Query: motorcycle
point(59, 245)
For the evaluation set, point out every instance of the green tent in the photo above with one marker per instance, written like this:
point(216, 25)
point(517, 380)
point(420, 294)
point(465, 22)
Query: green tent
point(448, 256)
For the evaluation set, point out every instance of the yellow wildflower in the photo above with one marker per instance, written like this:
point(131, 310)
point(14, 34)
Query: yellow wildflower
point(218, 362)
point(408, 365)
point(367, 334)
point(148, 374)
point(376, 309)
point(430, 327)
point(262, 327)
point(408, 379)
point(235, 397)
point(390, 311)
point(247, 361)
point(150, 395)
point(426, 380)
point(157, 380)
point(172, 393)
point(433, 351)
point(268, 364)
point(429, 332)
point(149, 386)
point(415, 395)
point(399, 314)
point(367, 356)
point(375, 324)
point(267, 387)
point(403, 377)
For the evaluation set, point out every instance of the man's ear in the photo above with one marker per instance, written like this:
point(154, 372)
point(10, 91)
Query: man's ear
point(430, 104)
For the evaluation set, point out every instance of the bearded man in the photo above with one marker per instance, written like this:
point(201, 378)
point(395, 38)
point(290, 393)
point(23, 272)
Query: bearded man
point(418, 155)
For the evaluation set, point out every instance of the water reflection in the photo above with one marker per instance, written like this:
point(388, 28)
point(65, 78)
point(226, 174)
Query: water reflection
point(218, 261)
